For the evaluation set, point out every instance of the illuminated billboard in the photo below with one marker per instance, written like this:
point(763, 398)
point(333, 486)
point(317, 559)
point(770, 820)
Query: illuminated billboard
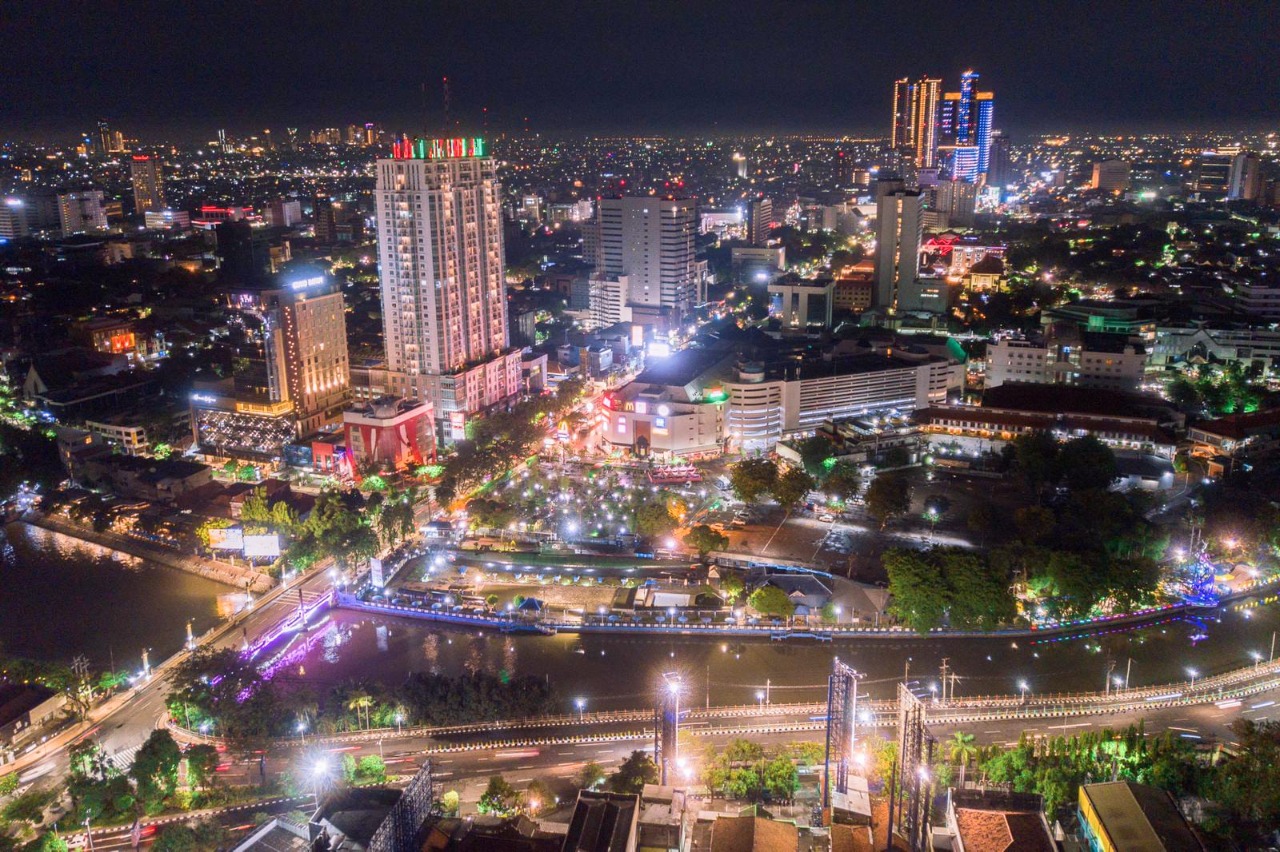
point(226, 538)
point(262, 546)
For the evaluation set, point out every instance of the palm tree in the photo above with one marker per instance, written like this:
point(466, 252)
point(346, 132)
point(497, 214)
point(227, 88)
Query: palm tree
point(961, 750)
point(360, 700)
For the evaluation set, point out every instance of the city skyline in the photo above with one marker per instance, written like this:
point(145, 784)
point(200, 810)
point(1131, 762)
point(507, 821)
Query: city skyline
point(1065, 74)
point(616, 418)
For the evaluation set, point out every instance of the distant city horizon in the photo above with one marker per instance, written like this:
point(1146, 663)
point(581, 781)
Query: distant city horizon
point(148, 140)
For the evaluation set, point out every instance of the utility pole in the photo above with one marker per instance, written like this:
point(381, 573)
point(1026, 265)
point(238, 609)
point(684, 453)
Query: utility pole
point(944, 679)
point(1128, 667)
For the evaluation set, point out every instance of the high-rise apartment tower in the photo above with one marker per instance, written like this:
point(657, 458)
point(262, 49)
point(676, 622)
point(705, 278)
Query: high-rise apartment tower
point(915, 117)
point(148, 184)
point(440, 248)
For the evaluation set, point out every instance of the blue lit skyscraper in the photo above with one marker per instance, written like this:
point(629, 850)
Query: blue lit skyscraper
point(964, 129)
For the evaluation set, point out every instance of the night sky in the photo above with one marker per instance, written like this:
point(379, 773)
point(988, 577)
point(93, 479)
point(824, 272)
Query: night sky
point(184, 69)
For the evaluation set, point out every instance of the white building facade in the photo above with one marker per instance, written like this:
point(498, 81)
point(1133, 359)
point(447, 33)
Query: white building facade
point(441, 256)
point(651, 241)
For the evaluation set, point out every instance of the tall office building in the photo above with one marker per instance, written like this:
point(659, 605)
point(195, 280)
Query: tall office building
point(899, 228)
point(651, 241)
point(955, 202)
point(303, 341)
point(1212, 178)
point(148, 185)
point(440, 248)
point(102, 140)
point(964, 129)
point(759, 221)
point(1000, 173)
point(82, 212)
point(1111, 176)
point(1244, 183)
point(14, 222)
point(243, 251)
point(915, 117)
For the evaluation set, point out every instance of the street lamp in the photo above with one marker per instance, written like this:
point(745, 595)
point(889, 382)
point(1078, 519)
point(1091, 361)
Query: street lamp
point(1194, 674)
point(1022, 685)
point(1117, 681)
point(319, 770)
point(399, 721)
point(1257, 658)
point(302, 730)
point(838, 611)
point(760, 697)
point(581, 704)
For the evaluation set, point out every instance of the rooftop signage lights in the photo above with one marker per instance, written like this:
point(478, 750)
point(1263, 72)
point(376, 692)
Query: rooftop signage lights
point(405, 148)
point(303, 283)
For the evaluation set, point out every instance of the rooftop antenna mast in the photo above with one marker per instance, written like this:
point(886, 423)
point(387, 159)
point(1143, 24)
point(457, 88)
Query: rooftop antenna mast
point(447, 127)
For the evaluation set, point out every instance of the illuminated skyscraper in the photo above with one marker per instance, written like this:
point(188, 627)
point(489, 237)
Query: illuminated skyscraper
point(915, 117)
point(759, 221)
point(292, 375)
point(148, 186)
point(440, 248)
point(964, 129)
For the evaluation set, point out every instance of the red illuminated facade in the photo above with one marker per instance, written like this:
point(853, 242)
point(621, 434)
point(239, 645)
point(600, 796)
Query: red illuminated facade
point(390, 433)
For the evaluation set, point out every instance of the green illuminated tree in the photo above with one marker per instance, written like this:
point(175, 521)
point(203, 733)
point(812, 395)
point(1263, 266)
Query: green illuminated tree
point(653, 520)
point(813, 452)
point(636, 771)
point(499, 798)
point(155, 769)
point(916, 589)
point(841, 481)
point(772, 601)
point(202, 763)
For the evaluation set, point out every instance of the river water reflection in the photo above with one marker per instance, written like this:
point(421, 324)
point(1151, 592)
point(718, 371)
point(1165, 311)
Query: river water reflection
point(60, 597)
point(621, 672)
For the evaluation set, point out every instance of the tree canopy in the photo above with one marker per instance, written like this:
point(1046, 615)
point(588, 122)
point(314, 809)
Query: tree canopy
point(927, 587)
point(753, 478)
point(888, 496)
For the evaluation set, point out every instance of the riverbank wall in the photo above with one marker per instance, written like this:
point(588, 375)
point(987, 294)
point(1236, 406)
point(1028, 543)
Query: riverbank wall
point(236, 576)
point(773, 632)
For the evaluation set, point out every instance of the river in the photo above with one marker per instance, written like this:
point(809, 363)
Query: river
point(60, 597)
point(622, 672)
